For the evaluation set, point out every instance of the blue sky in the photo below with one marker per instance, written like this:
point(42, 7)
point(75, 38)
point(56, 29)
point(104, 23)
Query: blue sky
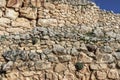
point(109, 5)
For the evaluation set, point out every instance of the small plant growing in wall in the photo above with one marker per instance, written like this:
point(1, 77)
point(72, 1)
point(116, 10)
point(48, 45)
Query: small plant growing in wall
point(79, 66)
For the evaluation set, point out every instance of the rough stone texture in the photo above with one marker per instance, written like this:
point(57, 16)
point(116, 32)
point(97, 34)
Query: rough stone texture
point(113, 74)
point(2, 3)
point(47, 22)
point(10, 13)
point(44, 41)
point(29, 12)
point(21, 22)
point(14, 3)
point(60, 68)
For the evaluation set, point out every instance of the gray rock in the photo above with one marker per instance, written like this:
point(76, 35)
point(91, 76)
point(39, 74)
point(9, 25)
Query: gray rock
point(23, 55)
point(34, 57)
point(107, 49)
point(111, 34)
point(7, 66)
point(11, 55)
point(117, 55)
point(107, 58)
point(98, 32)
point(74, 51)
point(58, 49)
point(52, 58)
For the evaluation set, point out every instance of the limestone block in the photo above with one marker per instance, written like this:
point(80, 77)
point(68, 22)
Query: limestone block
point(2, 3)
point(29, 12)
point(14, 3)
point(21, 22)
point(12, 14)
point(47, 22)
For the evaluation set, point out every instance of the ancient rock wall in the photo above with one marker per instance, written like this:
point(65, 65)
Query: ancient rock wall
point(58, 42)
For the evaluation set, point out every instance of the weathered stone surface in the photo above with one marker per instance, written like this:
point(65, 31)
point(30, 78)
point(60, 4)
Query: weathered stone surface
point(107, 58)
point(60, 68)
point(85, 58)
point(58, 49)
point(40, 65)
point(113, 74)
point(47, 22)
point(64, 58)
point(14, 30)
point(36, 3)
point(14, 3)
point(2, 3)
point(11, 13)
point(117, 55)
point(4, 20)
point(49, 6)
point(1, 13)
point(21, 22)
point(29, 12)
point(8, 66)
point(101, 75)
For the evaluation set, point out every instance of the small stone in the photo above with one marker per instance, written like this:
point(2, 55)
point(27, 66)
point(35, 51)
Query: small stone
point(58, 49)
point(83, 47)
point(74, 51)
point(86, 59)
point(113, 74)
point(1, 13)
point(11, 13)
point(47, 22)
point(52, 58)
point(2, 3)
point(4, 20)
point(118, 64)
point(36, 3)
point(49, 6)
point(59, 68)
point(94, 66)
point(14, 30)
point(21, 22)
point(117, 55)
point(64, 58)
point(29, 12)
point(107, 58)
point(40, 65)
point(98, 32)
point(7, 66)
point(107, 49)
point(14, 3)
point(101, 75)
point(34, 56)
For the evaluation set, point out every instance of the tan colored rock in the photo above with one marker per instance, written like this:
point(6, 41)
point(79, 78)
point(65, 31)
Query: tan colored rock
point(4, 33)
point(47, 22)
point(59, 68)
point(2, 3)
point(29, 12)
point(21, 22)
point(14, 3)
point(4, 20)
point(86, 59)
point(1, 13)
point(2, 28)
point(14, 30)
point(101, 75)
point(49, 6)
point(113, 74)
point(36, 3)
point(11, 13)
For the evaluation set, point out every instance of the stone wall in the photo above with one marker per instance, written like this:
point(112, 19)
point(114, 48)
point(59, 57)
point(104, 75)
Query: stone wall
point(58, 42)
